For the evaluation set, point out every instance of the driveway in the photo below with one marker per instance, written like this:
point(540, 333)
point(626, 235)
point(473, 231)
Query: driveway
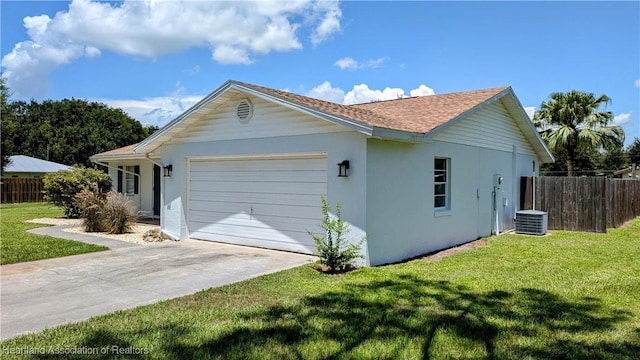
point(46, 293)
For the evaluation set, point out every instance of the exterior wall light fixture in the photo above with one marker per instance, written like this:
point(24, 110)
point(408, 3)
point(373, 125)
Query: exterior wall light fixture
point(342, 168)
point(168, 170)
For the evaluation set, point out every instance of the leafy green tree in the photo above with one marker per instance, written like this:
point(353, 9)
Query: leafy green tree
point(572, 122)
point(585, 163)
point(69, 131)
point(6, 115)
point(634, 151)
point(613, 160)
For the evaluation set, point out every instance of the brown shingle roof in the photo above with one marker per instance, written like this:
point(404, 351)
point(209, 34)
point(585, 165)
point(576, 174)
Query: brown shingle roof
point(424, 113)
point(417, 114)
point(363, 116)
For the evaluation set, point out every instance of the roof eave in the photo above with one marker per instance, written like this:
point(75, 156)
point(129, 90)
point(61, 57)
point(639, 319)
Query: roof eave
point(123, 157)
point(148, 146)
point(539, 145)
point(398, 135)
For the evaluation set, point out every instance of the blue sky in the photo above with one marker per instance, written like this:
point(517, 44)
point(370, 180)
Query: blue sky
point(155, 59)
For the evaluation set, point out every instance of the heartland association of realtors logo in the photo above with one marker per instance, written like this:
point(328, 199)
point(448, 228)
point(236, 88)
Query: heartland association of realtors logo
point(84, 350)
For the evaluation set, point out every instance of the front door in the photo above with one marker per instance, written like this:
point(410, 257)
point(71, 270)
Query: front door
point(156, 190)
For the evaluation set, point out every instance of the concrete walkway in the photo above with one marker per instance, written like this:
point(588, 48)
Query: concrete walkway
point(47, 293)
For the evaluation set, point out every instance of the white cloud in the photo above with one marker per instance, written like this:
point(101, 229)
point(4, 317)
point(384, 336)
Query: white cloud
point(422, 90)
point(234, 32)
point(530, 110)
point(326, 92)
point(622, 119)
point(91, 51)
point(225, 54)
point(362, 93)
point(637, 83)
point(330, 14)
point(349, 63)
point(156, 110)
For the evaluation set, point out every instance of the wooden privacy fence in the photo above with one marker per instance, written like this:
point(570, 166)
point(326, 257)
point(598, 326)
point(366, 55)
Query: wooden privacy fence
point(582, 203)
point(15, 190)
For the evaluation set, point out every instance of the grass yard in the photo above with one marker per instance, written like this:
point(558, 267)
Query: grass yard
point(17, 245)
point(564, 296)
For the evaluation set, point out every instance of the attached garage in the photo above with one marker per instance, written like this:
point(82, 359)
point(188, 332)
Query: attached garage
point(268, 202)
point(248, 165)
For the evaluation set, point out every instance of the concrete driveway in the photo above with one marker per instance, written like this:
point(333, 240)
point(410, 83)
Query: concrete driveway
point(47, 293)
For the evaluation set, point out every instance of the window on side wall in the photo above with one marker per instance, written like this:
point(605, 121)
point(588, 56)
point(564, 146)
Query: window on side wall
point(441, 181)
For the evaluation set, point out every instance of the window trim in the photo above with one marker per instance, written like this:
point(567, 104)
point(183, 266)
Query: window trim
point(447, 184)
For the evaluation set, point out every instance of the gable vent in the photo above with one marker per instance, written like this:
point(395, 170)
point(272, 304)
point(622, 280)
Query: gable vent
point(244, 110)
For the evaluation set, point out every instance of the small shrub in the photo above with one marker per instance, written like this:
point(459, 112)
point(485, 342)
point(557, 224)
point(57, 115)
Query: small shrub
point(334, 251)
point(60, 188)
point(118, 216)
point(91, 203)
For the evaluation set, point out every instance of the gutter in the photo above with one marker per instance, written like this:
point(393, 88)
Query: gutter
point(114, 167)
point(147, 157)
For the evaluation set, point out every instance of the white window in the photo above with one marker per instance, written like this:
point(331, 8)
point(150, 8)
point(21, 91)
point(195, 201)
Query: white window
point(441, 181)
point(130, 180)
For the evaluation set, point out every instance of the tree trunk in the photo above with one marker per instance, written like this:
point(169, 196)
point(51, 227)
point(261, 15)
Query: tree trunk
point(569, 163)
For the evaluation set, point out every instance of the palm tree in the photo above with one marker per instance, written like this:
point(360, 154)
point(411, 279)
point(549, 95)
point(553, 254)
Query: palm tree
point(572, 122)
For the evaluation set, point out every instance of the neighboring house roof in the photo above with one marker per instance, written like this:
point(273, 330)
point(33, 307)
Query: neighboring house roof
point(24, 164)
point(414, 119)
point(628, 170)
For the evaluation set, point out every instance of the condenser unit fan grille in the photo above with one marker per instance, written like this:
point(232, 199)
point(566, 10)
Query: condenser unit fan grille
point(531, 222)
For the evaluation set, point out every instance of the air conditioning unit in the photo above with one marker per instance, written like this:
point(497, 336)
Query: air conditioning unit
point(532, 222)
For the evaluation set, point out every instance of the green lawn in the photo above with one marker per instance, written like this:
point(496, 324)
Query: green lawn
point(564, 296)
point(17, 245)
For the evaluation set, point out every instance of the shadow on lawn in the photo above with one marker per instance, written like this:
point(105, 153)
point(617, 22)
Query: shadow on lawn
point(406, 312)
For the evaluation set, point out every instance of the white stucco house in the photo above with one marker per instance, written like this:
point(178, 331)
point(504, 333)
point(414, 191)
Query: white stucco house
point(248, 165)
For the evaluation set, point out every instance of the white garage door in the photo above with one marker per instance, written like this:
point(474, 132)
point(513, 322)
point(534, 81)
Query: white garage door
point(269, 203)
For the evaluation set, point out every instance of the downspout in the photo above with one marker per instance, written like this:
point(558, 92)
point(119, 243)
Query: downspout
point(495, 210)
point(533, 182)
point(153, 161)
point(514, 184)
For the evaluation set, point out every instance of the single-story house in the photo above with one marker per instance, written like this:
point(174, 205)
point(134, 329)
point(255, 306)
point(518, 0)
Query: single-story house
point(248, 165)
point(22, 166)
